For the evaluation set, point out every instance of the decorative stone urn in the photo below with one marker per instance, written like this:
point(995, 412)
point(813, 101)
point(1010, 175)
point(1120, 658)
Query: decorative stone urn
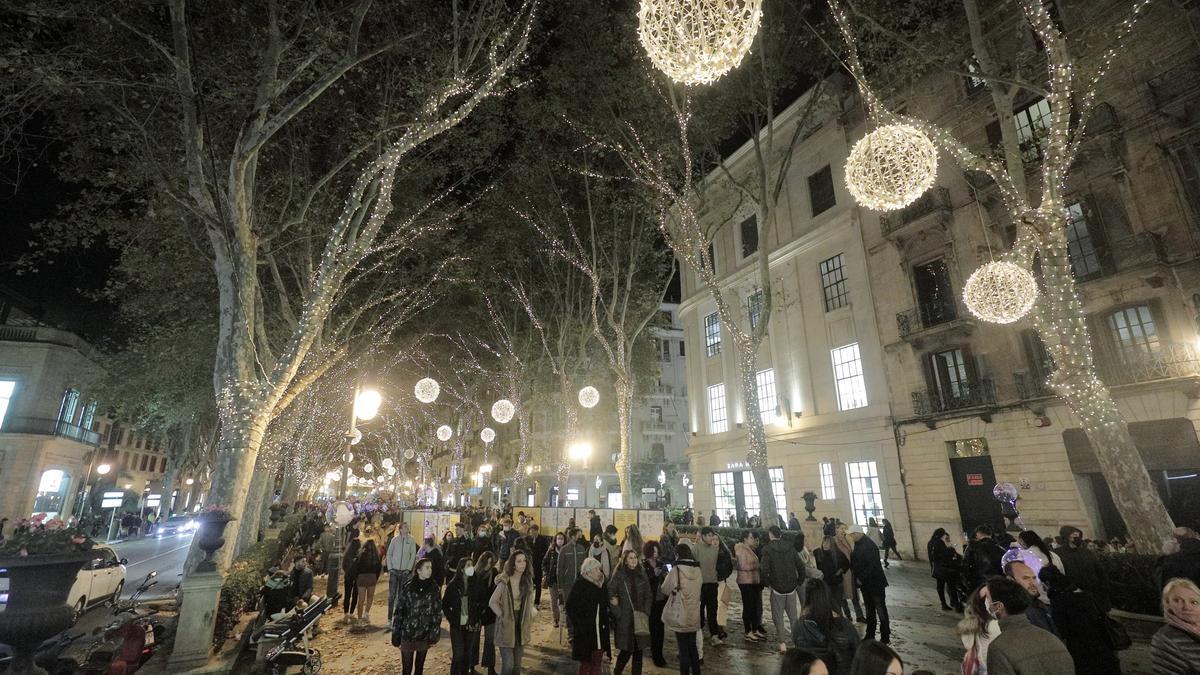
point(210, 538)
point(810, 499)
point(37, 602)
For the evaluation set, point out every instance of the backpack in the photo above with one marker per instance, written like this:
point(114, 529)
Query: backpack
point(724, 562)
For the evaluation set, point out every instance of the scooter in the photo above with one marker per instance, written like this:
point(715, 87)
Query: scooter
point(127, 641)
point(48, 654)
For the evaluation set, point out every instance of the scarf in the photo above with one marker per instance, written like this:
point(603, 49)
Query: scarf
point(1191, 628)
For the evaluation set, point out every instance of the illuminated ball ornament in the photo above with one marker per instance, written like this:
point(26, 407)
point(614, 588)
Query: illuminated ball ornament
point(388, 463)
point(589, 397)
point(698, 41)
point(890, 167)
point(487, 435)
point(1000, 292)
point(444, 433)
point(427, 390)
point(503, 410)
point(409, 454)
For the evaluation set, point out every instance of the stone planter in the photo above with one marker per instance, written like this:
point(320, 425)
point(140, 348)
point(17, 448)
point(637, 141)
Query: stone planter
point(810, 499)
point(37, 603)
point(210, 538)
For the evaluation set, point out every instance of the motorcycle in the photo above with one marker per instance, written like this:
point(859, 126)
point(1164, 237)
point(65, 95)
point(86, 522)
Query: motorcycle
point(127, 642)
point(47, 656)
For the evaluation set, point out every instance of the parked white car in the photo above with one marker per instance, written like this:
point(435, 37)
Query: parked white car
point(99, 581)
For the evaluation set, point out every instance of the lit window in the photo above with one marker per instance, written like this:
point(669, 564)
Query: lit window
point(712, 334)
point(866, 498)
point(754, 307)
point(7, 388)
point(828, 491)
point(724, 495)
point(848, 374)
point(1135, 332)
point(750, 491)
point(70, 402)
point(717, 421)
point(656, 413)
point(1081, 248)
point(573, 495)
point(767, 399)
point(833, 283)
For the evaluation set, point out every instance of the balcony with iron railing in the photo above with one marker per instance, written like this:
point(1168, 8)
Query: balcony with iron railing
point(45, 334)
point(929, 316)
point(658, 427)
point(933, 206)
point(45, 426)
point(979, 393)
point(1166, 360)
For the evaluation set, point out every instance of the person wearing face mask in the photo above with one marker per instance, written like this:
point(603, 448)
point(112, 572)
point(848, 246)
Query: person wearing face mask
point(508, 537)
point(588, 616)
point(1082, 566)
point(1021, 648)
point(550, 573)
point(599, 552)
point(629, 592)
point(977, 629)
point(463, 604)
point(418, 617)
point(570, 560)
point(483, 541)
point(1175, 648)
point(485, 572)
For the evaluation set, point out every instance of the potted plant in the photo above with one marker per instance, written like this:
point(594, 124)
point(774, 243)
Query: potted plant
point(42, 558)
point(211, 535)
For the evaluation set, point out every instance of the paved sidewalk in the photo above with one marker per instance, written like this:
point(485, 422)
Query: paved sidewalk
point(923, 635)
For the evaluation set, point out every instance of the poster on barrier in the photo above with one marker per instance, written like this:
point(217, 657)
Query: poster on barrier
point(651, 524)
point(623, 518)
point(562, 519)
point(535, 516)
point(582, 519)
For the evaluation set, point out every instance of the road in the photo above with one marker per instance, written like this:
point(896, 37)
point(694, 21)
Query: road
point(147, 554)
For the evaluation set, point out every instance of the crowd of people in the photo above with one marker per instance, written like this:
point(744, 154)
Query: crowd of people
point(1028, 605)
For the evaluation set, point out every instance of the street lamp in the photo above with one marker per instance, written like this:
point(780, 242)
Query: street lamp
point(103, 469)
point(189, 481)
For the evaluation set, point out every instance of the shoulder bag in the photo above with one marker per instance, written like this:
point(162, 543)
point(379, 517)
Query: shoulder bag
point(673, 612)
point(641, 622)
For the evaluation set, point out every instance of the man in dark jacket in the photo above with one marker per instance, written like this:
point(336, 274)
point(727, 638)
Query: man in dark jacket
point(464, 617)
point(793, 522)
point(780, 570)
point(984, 558)
point(458, 548)
point(570, 559)
point(869, 577)
point(535, 544)
point(1082, 566)
point(594, 526)
point(302, 579)
point(1037, 612)
point(508, 537)
point(714, 520)
point(1184, 563)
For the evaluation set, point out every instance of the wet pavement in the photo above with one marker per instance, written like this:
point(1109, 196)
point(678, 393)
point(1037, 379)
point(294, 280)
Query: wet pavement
point(922, 634)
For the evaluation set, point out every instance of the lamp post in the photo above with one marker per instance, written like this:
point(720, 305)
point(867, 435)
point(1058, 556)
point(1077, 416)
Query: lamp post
point(365, 406)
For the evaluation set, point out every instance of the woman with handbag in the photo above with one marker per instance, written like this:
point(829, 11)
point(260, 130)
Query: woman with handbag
point(681, 614)
point(418, 621)
point(656, 574)
point(945, 565)
point(629, 596)
point(588, 618)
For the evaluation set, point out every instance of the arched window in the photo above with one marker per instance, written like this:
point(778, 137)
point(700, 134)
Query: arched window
point(52, 493)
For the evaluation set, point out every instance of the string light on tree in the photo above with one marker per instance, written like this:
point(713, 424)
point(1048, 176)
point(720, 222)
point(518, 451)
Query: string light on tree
point(409, 454)
point(1000, 292)
point(891, 167)
point(427, 390)
point(444, 433)
point(487, 435)
point(503, 410)
point(698, 41)
point(388, 463)
point(589, 397)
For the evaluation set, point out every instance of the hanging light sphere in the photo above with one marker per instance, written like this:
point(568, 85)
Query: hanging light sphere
point(387, 462)
point(589, 397)
point(356, 438)
point(368, 467)
point(391, 471)
point(409, 454)
point(503, 410)
point(698, 41)
point(487, 435)
point(1000, 292)
point(890, 167)
point(427, 390)
point(444, 433)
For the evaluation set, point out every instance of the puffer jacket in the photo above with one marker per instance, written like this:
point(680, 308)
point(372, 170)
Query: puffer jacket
point(747, 564)
point(570, 559)
point(836, 649)
point(684, 579)
point(420, 613)
point(780, 567)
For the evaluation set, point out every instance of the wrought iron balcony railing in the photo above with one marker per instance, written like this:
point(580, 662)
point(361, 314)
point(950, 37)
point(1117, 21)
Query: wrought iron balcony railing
point(658, 426)
point(44, 426)
point(1029, 385)
point(927, 315)
point(935, 200)
point(976, 394)
point(1165, 361)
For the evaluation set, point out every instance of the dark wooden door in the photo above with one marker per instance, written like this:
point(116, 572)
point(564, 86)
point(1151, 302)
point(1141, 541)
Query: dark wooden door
point(974, 479)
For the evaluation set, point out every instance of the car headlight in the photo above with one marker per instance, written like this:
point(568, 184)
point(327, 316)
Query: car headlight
point(4, 598)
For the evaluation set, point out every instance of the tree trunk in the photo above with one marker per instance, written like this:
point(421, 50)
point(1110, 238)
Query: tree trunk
point(166, 505)
point(518, 479)
point(290, 490)
point(624, 464)
point(756, 435)
point(1063, 328)
point(237, 452)
point(562, 467)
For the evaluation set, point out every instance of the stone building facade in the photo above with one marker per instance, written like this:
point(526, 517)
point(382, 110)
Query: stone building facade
point(970, 404)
